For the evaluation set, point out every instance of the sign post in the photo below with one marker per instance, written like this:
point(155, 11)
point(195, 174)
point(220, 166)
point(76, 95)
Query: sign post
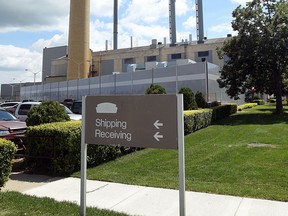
point(149, 121)
point(83, 163)
point(181, 158)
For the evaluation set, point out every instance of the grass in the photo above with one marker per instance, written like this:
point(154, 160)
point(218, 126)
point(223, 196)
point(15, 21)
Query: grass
point(14, 203)
point(218, 159)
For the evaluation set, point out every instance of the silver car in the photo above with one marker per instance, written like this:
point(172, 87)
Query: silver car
point(22, 110)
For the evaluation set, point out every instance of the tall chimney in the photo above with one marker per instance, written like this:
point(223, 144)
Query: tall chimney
point(115, 40)
point(199, 21)
point(78, 41)
point(172, 21)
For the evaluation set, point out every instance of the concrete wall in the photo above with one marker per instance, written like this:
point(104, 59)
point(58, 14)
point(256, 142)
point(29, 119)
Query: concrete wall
point(199, 77)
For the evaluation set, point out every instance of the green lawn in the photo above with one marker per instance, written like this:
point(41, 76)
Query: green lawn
point(218, 159)
point(14, 203)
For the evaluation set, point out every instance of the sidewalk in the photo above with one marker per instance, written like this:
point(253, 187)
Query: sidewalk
point(139, 200)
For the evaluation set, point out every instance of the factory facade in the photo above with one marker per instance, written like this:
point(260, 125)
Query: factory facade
point(133, 70)
point(134, 58)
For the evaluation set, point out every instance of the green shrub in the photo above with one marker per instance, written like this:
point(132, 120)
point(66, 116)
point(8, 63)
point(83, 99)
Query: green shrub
point(259, 102)
point(155, 89)
point(56, 148)
point(47, 112)
point(214, 104)
point(196, 119)
point(189, 102)
point(200, 100)
point(7, 152)
point(246, 106)
point(223, 111)
point(256, 97)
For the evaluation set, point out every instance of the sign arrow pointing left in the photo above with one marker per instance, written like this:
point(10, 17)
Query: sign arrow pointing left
point(158, 136)
point(158, 124)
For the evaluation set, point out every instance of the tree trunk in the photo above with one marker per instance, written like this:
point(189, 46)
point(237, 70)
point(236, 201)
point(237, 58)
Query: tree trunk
point(278, 92)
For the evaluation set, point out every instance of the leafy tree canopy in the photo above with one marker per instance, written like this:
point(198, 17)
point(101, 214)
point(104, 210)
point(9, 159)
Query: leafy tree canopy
point(47, 112)
point(155, 89)
point(189, 101)
point(257, 57)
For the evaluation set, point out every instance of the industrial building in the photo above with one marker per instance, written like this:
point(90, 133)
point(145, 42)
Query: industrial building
point(74, 70)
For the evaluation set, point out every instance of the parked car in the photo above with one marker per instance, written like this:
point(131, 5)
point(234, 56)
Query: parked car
point(11, 109)
point(10, 106)
point(68, 102)
point(73, 116)
point(11, 128)
point(22, 110)
point(77, 107)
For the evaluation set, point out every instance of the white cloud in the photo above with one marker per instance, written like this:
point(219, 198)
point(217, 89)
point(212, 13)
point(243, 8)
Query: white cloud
point(184, 6)
point(103, 8)
point(30, 15)
point(242, 2)
point(14, 61)
point(148, 12)
point(190, 23)
point(224, 29)
point(146, 33)
point(99, 33)
point(56, 40)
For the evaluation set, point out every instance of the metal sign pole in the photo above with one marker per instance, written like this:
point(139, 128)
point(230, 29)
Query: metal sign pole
point(181, 156)
point(108, 120)
point(83, 162)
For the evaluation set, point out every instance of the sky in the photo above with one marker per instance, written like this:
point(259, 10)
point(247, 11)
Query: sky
point(28, 26)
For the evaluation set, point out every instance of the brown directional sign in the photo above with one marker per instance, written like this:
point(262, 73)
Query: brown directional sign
point(149, 121)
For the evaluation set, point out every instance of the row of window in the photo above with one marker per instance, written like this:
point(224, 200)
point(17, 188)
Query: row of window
point(174, 56)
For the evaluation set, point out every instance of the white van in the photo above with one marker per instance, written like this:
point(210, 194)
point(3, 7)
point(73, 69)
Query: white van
point(22, 110)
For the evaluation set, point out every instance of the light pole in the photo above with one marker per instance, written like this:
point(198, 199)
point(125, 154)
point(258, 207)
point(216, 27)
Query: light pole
point(78, 70)
point(34, 74)
point(20, 88)
point(12, 90)
point(78, 65)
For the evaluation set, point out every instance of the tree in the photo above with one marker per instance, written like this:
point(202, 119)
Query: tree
point(47, 112)
point(200, 100)
point(155, 89)
point(189, 101)
point(257, 57)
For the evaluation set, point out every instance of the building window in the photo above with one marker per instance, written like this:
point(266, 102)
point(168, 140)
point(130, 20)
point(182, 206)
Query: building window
point(151, 58)
point(129, 61)
point(176, 56)
point(203, 53)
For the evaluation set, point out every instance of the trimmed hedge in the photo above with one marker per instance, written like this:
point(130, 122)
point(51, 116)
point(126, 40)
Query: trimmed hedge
point(223, 111)
point(196, 119)
point(56, 148)
point(7, 152)
point(246, 106)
